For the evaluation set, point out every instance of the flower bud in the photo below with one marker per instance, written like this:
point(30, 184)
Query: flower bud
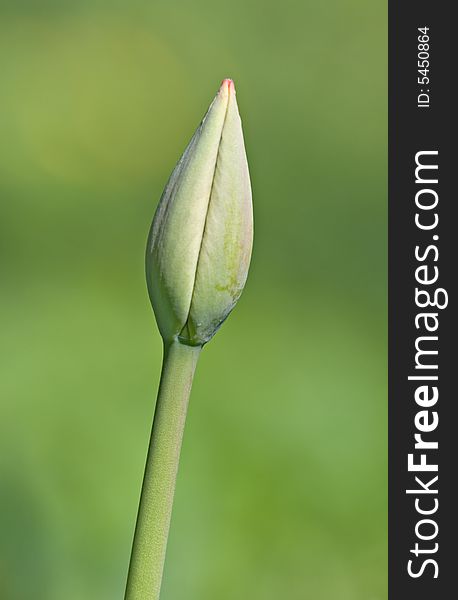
point(200, 242)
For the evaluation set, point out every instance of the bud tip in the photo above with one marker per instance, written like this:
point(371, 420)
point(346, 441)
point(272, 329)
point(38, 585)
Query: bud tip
point(227, 85)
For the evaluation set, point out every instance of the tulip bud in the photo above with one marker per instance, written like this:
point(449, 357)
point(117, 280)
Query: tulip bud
point(200, 242)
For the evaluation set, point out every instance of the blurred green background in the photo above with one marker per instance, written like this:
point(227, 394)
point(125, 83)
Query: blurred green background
point(282, 484)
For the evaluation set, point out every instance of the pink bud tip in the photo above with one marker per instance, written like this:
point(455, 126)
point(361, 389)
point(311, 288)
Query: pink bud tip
point(229, 83)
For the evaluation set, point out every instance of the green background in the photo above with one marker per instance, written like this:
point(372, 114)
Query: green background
point(282, 485)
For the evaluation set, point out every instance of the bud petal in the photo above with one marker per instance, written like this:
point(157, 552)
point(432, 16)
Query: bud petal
point(200, 242)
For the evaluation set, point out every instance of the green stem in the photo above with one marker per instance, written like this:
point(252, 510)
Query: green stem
point(153, 520)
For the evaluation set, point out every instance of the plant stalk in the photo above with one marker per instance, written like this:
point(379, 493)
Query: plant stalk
point(153, 520)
